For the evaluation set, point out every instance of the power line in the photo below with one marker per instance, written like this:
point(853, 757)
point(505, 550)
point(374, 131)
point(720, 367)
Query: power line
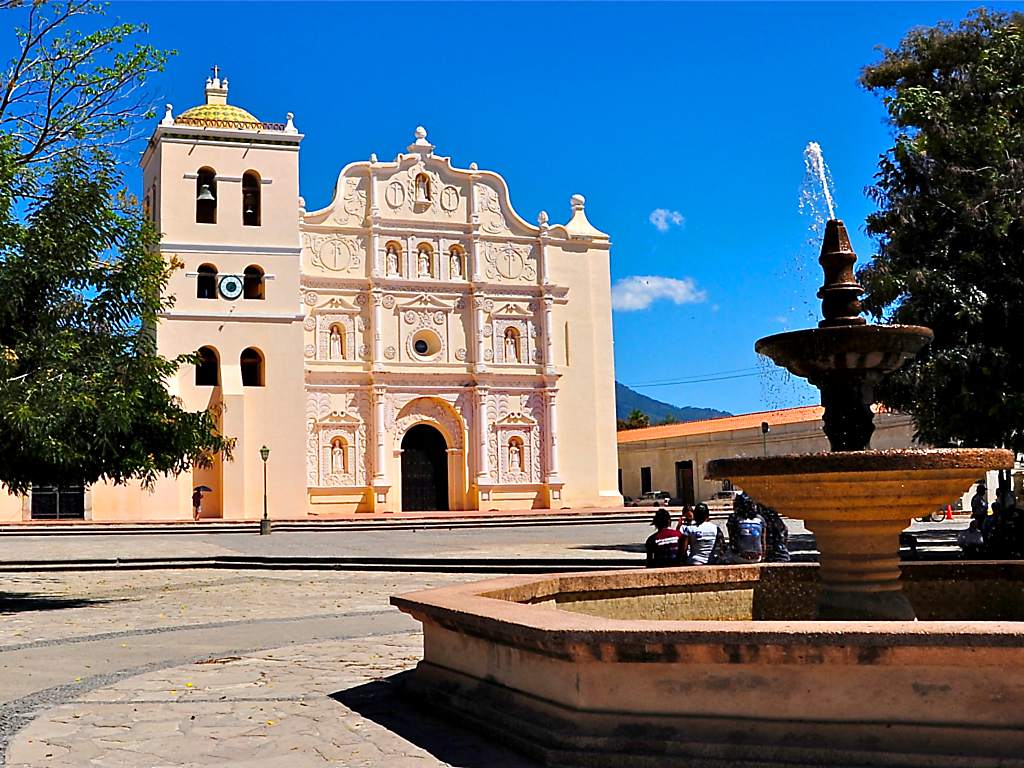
point(750, 370)
point(694, 381)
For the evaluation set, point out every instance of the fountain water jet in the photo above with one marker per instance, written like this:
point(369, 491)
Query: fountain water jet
point(817, 171)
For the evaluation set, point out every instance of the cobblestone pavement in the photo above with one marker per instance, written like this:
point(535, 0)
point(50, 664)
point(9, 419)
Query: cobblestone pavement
point(216, 668)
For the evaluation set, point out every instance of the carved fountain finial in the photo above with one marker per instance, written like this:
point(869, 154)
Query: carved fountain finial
point(840, 294)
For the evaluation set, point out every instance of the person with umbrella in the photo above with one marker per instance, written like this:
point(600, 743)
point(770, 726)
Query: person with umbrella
point(197, 500)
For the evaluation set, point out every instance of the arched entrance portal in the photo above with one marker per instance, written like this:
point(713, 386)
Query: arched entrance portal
point(424, 470)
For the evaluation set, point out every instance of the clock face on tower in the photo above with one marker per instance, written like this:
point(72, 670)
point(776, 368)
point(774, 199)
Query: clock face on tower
point(231, 286)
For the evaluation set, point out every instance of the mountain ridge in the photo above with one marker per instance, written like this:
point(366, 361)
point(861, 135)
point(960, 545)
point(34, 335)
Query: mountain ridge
point(628, 400)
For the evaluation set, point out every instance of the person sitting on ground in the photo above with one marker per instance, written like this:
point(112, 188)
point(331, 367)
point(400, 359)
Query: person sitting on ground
point(777, 535)
point(665, 546)
point(971, 541)
point(747, 531)
point(700, 535)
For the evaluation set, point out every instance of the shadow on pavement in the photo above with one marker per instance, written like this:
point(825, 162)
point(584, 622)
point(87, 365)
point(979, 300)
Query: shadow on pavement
point(385, 703)
point(19, 602)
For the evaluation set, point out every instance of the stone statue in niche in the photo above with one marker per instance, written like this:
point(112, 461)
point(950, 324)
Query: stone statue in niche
point(515, 457)
point(456, 264)
point(422, 189)
point(335, 343)
point(392, 259)
point(337, 459)
point(424, 262)
point(511, 346)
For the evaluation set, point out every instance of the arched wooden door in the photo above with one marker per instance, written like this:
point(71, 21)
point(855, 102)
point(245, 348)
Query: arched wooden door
point(424, 470)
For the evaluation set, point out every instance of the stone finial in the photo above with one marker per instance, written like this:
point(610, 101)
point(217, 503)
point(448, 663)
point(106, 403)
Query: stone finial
point(289, 126)
point(373, 157)
point(579, 226)
point(216, 88)
point(840, 293)
point(474, 167)
point(421, 144)
point(168, 115)
point(542, 218)
point(302, 206)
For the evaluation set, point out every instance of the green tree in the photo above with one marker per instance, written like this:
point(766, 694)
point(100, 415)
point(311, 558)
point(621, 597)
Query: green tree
point(950, 226)
point(637, 419)
point(65, 90)
point(82, 388)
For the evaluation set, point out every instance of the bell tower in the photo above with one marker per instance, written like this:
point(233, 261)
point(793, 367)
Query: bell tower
point(222, 187)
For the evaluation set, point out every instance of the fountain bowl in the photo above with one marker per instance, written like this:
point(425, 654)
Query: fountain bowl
point(811, 352)
point(856, 503)
point(720, 666)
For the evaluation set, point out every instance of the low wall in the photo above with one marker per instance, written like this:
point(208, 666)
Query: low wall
point(625, 668)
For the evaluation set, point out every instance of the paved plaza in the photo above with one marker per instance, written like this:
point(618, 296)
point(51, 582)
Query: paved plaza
point(257, 667)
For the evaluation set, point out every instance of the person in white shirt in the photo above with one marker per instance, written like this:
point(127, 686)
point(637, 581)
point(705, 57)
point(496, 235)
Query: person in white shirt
point(700, 536)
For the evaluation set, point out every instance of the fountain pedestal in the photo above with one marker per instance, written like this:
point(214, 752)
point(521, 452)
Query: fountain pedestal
point(856, 503)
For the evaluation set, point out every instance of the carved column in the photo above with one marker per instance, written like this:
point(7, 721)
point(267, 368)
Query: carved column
point(377, 320)
point(483, 460)
point(542, 249)
point(379, 436)
point(551, 422)
point(479, 320)
point(548, 331)
point(473, 270)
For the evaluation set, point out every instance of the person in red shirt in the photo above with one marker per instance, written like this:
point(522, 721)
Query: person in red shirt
point(665, 546)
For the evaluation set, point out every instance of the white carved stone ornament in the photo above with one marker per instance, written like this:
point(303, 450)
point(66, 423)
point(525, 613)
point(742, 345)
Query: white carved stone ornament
point(389, 352)
point(309, 323)
point(311, 298)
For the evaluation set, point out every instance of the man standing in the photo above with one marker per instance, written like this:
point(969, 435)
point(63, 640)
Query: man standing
point(197, 504)
point(664, 546)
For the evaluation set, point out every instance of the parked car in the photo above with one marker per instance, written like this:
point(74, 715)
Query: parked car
point(652, 499)
point(727, 495)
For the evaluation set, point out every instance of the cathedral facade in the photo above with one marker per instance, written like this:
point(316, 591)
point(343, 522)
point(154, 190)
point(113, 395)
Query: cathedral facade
point(414, 345)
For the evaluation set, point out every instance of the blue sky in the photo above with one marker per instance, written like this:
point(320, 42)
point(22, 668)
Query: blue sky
point(698, 110)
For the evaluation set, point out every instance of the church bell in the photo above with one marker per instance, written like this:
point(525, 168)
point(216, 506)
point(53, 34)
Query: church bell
point(205, 195)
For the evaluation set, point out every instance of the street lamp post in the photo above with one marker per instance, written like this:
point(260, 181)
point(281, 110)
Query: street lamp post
point(265, 522)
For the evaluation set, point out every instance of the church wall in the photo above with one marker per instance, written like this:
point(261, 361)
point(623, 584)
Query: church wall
point(586, 387)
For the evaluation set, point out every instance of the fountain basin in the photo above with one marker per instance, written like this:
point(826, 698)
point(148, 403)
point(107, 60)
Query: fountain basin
point(812, 352)
point(856, 503)
point(717, 666)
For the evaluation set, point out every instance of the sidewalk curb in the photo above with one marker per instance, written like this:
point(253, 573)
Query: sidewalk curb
point(396, 564)
point(250, 526)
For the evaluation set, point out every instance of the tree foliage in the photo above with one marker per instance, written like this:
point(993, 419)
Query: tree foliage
point(65, 89)
point(637, 419)
point(950, 226)
point(82, 388)
point(83, 392)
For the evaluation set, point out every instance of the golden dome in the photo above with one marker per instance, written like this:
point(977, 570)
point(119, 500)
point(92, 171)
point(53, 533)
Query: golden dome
point(217, 113)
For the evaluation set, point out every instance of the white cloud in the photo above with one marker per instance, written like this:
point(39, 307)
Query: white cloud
point(640, 291)
point(663, 218)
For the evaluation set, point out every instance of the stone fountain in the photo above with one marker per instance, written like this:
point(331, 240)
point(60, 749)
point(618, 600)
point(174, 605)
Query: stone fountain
point(860, 661)
point(855, 500)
